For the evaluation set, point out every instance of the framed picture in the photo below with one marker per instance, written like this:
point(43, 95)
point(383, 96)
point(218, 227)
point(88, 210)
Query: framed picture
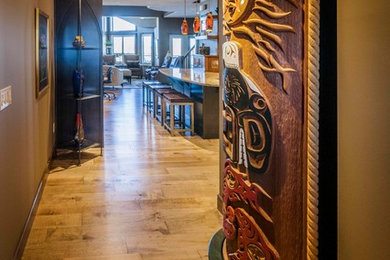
point(42, 51)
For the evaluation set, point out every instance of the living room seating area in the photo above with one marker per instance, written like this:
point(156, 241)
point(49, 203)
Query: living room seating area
point(129, 64)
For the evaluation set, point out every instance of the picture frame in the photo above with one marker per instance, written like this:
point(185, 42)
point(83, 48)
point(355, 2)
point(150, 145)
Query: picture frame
point(42, 40)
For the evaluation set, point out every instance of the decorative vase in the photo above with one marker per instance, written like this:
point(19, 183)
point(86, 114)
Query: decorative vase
point(78, 83)
point(79, 136)
point(79, 42)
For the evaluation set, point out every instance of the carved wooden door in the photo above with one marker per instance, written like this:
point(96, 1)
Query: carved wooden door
point(268, 129)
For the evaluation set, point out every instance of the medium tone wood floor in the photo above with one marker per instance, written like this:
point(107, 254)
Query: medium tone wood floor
point(151, 196)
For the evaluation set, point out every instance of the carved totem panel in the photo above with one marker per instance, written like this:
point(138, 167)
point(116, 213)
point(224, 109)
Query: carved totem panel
point(264, 189)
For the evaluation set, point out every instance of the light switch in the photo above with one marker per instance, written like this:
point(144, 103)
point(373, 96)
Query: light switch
point(5, 97)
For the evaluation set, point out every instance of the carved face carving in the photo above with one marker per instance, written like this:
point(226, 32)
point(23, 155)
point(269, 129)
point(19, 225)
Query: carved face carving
point(252, 147)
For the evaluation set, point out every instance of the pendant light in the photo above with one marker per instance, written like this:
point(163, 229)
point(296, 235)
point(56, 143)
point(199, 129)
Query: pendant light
point(209, 20)
point(184, 25)
point(196, 25)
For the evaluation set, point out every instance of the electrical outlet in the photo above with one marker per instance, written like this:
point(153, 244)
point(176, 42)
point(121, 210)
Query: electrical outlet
point(5, 97)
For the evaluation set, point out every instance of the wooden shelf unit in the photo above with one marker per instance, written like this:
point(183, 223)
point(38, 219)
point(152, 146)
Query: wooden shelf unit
point(75, 18)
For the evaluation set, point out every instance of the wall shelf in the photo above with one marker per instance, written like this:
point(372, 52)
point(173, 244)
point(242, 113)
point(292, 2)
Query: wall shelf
point(76, 49)
point(86, 96)
point(206, 37)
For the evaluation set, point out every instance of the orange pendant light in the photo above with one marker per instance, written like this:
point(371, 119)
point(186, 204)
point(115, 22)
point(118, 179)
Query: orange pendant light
point(196, 25)
point(209, 20)
point(184, 25)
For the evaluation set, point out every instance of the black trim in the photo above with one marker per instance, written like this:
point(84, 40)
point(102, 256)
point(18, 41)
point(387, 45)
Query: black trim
point(328, 131)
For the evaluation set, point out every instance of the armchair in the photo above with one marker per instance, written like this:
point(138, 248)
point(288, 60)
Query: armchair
point(133, 64)
point(152, 72)
point(112, 76)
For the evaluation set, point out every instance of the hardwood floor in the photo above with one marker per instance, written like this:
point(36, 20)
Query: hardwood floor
point(151, 196)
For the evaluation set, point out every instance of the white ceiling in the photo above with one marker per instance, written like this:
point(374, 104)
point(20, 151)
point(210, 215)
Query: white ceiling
point(172, 8)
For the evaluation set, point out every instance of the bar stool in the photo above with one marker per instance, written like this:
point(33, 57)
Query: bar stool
point(150, 95)
point(145, 87)
point(158, 98)
point(182, 101)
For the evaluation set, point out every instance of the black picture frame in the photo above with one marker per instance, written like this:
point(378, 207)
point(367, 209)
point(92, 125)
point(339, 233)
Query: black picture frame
point(42, 69)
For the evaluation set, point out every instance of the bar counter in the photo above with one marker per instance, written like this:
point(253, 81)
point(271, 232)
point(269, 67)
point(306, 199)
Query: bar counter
point(203, 88)
point(194, 76)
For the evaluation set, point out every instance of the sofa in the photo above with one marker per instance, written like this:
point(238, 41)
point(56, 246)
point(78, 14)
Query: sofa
point(133, 63)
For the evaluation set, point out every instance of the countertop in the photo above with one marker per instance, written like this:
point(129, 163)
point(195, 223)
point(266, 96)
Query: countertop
point(195, 76)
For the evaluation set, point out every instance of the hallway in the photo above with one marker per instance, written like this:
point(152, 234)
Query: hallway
point(151, 196)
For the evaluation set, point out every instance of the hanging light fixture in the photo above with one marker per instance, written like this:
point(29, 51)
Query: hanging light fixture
point(196, 25)
point(209, 20)
point(184, 25)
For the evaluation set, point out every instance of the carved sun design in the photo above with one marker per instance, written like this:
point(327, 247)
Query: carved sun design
point(262, 30)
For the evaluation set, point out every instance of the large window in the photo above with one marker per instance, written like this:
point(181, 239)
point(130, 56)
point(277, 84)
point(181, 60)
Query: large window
point(176, 46)
point(118, 46)
point(125, 44)
point(193, 52)
point(147, 48)
point(120, 25)
point(129, 44)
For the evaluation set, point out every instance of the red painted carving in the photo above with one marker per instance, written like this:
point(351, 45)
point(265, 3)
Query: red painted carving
point(252, 242)
point(228, 223)
point(237, 188)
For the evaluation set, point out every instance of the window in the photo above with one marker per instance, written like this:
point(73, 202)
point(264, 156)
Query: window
point(120, 24)
point(118, 48)
point(124, 44)
point(176, 47)
point(129, 44)
point(193, 52)
point(147, 47)
point(104, 24)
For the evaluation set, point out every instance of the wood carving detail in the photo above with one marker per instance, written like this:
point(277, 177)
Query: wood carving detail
point(247, 125)
point(237, 187)
point(252, 242)
point(270, 184)
point(260, 22)
point(247, 132)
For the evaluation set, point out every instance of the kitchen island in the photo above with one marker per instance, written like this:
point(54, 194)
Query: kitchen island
point(203, 88)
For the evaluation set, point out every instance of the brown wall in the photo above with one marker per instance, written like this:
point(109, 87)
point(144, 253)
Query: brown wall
point(364, 129)
point(26, 137)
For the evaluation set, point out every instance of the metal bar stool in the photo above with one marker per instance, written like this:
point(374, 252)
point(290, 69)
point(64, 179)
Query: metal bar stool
point(181, 101)
point(145, 87)
point(150, 95)
point(158, 103)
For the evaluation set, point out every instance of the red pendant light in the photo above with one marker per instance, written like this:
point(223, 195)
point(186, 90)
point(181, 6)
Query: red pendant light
point(196, 25)
point(184, 25)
